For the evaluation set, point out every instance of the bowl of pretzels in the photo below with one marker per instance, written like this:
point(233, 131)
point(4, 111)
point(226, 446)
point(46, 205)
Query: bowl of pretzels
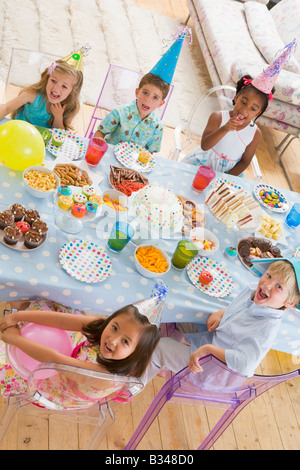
point(40, 182)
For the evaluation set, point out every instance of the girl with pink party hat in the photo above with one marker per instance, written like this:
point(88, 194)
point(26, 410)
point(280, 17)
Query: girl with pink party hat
point(54, 100)
point(231, 138)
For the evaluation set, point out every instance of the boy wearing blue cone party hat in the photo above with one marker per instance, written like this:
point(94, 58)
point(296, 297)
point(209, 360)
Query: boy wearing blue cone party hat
point(138, 122)
point(241, 334)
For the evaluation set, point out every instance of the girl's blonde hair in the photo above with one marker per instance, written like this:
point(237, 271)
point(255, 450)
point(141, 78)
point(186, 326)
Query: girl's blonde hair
point(285, 271)
point(72, 102)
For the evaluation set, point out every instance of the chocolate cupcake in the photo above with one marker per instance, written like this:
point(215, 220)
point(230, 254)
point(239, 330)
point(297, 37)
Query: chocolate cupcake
point(32, 239)
point(18, 211)
point(39, 226)
point(6, 219)
point(12, 235)
point(31, 215)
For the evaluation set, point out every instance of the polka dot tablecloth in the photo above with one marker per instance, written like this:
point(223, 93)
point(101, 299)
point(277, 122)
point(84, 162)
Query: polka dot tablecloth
point(38, 273)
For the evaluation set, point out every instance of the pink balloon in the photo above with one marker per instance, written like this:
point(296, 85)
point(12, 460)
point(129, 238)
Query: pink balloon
point(56, 339)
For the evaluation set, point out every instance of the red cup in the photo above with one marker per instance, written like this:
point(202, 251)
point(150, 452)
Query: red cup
point(95, 151)
point(203, 177)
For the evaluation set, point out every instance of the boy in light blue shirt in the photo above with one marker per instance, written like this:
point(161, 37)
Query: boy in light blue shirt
point(138, 121)
point(240, 335)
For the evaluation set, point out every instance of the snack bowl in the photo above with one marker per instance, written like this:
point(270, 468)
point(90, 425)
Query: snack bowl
point(202, 239)
point(34, 191)
point(148, 253)
point(112, 200)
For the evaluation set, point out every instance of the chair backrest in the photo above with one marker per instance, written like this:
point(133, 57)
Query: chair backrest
point(118, 89)
point(25, 68)
point(65, 387)
point(216, 99)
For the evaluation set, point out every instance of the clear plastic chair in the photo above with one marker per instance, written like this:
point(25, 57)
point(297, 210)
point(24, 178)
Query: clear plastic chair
point(118, 89)
point(188, 136)
point(25, 68)
point(73, 394)
point(216, 386)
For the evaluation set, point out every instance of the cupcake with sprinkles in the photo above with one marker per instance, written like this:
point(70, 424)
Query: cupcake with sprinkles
point(91, 207)
point(65, 202)
point(79, 210)
point(32, 239)
point(57, 139)
point(6, 219)
point(31, 215)
point(96, 199)
point(79, 198)
point(88, 191)
point(18, 211)
point(230, 253)
point(65, 190)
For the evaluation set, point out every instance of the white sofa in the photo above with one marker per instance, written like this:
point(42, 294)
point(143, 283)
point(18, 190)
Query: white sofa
point(239, 38)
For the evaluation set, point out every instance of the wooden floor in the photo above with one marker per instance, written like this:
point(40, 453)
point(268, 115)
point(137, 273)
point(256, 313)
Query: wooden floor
point(271, 422)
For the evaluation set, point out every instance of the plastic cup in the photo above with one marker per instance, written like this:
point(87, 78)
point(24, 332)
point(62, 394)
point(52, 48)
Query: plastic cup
point(293, 217)
point(120, 235)
point(203, 177)
point(95, 151)
point(184, 253)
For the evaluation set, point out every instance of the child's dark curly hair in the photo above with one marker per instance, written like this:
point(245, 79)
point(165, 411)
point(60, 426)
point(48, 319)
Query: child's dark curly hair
point(242, 85)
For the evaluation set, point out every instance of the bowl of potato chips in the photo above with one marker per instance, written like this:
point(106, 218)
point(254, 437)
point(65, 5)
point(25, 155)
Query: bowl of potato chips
point(40, 182)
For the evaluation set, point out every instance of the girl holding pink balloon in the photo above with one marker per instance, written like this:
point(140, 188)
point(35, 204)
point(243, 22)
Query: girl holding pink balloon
point(54, 100)
point(119, 344)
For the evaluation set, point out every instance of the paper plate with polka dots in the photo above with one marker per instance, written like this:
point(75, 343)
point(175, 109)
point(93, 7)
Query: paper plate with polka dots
point(85, 261)
point(222, 283)
point(73, 147)
point(127, 153)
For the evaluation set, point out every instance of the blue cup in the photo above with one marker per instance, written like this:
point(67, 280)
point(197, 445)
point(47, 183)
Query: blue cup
point(293, 217)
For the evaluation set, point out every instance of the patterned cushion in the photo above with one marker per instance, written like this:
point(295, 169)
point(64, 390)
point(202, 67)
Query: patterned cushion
point(264, 34)
point(286, 15)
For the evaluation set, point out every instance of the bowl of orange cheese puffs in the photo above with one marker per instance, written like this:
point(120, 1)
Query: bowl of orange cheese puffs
point(151, 261)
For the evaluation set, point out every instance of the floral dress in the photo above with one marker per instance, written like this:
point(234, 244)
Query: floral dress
point(60, 389)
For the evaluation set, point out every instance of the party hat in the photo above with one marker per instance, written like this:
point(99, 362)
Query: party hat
point(260, 266)
point(76, 58)
point(265, 81)
point(153, 307)
point(165, 67)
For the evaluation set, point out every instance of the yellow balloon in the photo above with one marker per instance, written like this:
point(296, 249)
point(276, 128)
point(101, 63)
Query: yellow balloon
point(21, 145)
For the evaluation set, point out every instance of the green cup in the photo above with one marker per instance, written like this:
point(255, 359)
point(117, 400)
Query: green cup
point(121, 234)
point(184, 253)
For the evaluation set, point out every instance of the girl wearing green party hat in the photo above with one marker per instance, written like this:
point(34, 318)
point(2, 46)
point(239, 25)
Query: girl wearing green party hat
point(54, 100)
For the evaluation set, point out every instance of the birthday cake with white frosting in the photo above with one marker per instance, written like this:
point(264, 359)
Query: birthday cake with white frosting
point(159, 206)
